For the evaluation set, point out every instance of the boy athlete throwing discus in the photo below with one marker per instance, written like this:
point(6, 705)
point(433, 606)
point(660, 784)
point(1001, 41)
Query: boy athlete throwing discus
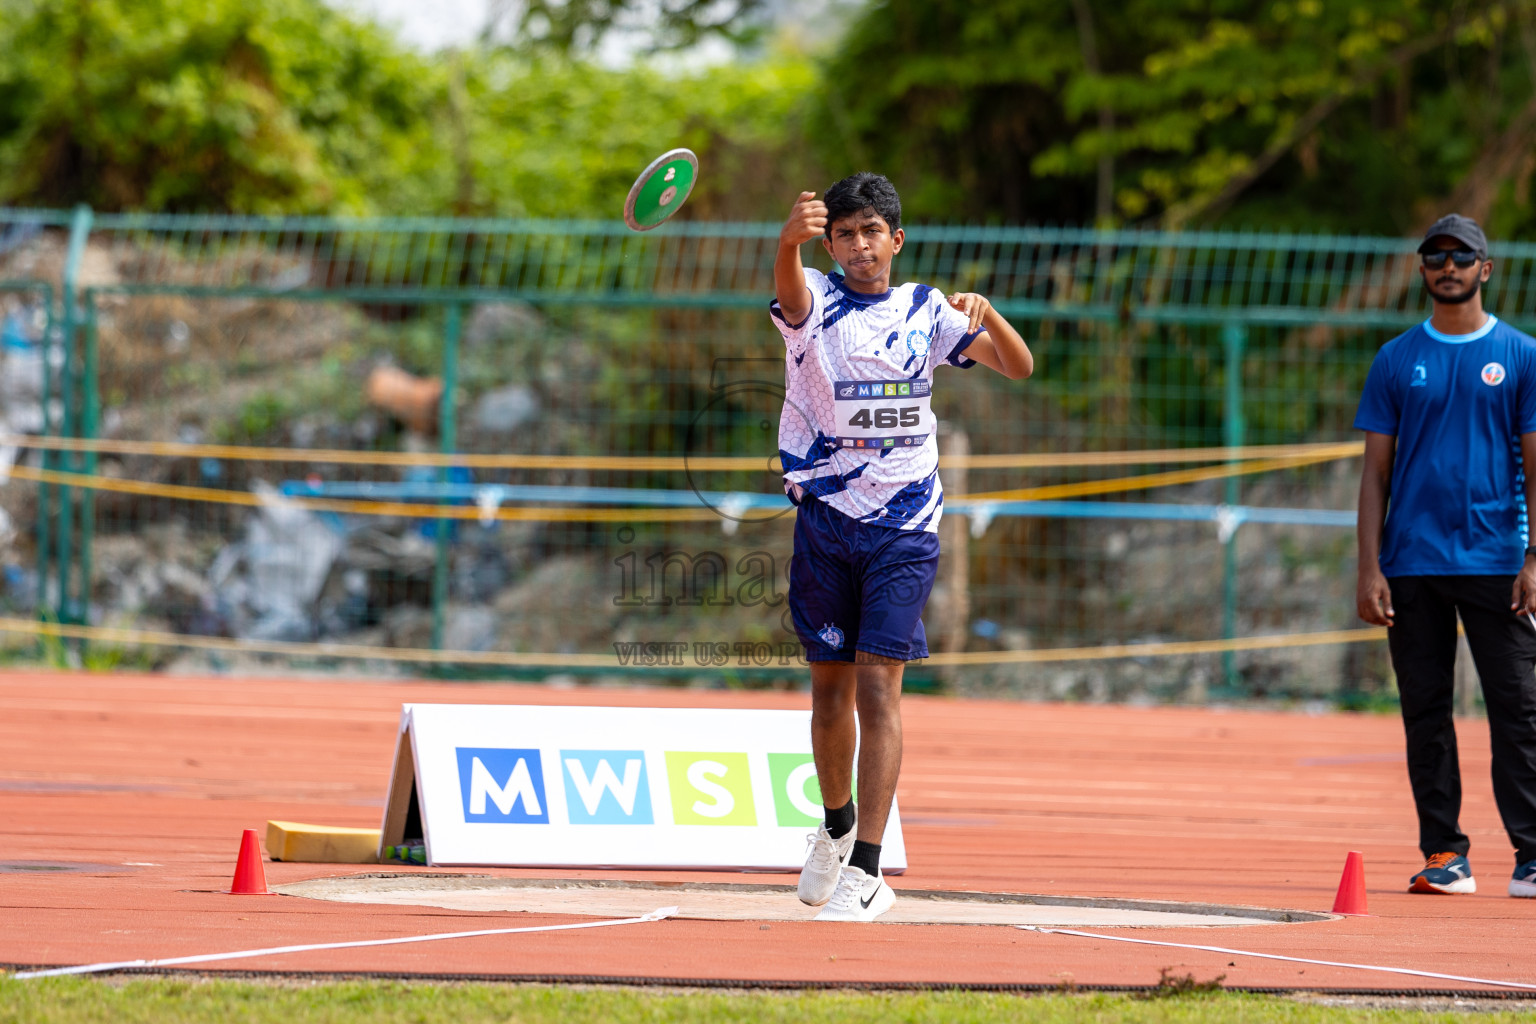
point(856, 439)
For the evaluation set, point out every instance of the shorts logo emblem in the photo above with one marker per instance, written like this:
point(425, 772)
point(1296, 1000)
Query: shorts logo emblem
point(1493, 375)
point(831, 636)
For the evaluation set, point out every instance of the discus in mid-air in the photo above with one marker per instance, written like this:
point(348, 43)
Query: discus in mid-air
point(661, 190)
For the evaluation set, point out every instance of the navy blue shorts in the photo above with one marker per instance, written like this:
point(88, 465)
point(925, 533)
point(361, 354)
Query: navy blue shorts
point(858, 587)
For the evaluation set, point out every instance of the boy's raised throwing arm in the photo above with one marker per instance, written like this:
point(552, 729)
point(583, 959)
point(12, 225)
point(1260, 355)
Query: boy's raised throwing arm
point(999, 345)
point(807, 220)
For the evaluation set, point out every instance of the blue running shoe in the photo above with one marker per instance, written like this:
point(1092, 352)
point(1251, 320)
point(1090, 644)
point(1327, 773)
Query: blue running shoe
point(1524, 881)
point(1446, 873)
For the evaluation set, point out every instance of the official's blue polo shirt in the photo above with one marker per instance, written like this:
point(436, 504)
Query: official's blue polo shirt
point(1457, 404)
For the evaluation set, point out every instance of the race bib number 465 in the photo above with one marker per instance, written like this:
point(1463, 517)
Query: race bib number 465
point(883, 413)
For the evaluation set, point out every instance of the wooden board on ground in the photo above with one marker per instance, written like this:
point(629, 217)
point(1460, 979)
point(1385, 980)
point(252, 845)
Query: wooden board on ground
point(321, 844)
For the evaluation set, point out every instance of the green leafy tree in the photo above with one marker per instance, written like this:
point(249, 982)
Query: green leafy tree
point(556, 137)
point(1351, 115)
point(251, 105)
point(288, 106)
point(579, 26)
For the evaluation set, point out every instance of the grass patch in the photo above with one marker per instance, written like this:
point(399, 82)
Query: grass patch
point(130, 1000)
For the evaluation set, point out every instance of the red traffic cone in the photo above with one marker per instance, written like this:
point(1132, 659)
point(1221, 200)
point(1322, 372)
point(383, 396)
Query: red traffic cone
point(1351, 897)
point(250, 877)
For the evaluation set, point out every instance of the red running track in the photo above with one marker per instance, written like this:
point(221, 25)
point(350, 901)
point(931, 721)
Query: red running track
point(155, 777)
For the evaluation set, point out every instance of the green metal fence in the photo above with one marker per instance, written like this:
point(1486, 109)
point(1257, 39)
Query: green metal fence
point(585, 341)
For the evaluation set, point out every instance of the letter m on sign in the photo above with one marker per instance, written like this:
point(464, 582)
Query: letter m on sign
point(502, 785)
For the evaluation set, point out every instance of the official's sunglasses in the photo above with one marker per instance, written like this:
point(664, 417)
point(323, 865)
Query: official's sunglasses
point(1463, 258)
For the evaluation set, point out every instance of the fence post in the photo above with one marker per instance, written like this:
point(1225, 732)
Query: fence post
point(447, 434)
point(45, 489)
point(956, 545)
point(79, 234)
point(1234, 338)
point(90, 416)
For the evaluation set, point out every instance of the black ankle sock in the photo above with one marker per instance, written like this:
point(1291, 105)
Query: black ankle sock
point(865, 857)
point(840, 820)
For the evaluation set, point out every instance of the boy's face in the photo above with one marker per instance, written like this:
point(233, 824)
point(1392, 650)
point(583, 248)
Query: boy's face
point(863, 244)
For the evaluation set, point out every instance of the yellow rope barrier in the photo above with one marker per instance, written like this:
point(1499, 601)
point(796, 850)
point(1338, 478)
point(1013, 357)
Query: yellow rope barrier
point(159, 638)
point(419, 510)
point(514, 659)
point(1146, 481)
point(1160, 649)
point(643, 463)
point(561, 514)
point(1326, 451)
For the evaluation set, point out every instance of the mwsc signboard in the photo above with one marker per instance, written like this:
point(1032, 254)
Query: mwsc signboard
point(517, 785)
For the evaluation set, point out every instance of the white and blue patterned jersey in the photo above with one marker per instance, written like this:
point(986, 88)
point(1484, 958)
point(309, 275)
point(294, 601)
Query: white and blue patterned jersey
point(857, 430)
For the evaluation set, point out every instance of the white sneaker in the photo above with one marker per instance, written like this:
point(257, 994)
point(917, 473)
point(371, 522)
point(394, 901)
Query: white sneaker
point(857, 897)
point(823, 864)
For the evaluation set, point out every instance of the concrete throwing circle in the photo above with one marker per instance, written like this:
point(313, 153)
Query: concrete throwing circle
point(733, 901)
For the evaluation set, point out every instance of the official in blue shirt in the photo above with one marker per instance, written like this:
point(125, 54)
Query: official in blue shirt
point(1449, 414)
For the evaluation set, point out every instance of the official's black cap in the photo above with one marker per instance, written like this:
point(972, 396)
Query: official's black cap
point(1463, 229)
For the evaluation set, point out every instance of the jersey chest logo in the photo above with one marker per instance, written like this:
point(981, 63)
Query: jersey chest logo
point(1493, 375)
point(918, 343)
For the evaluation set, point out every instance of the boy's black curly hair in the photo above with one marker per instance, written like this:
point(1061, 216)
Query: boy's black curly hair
point(863, 191)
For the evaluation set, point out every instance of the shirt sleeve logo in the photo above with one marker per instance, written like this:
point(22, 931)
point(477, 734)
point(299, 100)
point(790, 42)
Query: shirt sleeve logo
point(1493, 375)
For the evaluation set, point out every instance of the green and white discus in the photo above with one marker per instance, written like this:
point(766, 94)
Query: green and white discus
point(661, 189)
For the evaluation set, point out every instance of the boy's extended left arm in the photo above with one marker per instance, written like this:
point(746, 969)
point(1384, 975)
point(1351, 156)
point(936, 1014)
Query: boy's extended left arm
point(999, 345)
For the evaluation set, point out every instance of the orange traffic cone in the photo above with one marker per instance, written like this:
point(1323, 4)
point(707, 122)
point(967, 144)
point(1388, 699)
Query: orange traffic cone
point(250, 877)
point(1351, 897)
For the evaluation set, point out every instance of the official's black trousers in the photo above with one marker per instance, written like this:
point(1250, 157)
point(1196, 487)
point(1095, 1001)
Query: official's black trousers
point(1423, 644)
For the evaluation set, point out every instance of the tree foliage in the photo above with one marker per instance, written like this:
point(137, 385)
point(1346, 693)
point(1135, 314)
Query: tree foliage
point(291, 106)
point(553, 137)
point(258, 105)
point(579, 26)
point(1351, 114)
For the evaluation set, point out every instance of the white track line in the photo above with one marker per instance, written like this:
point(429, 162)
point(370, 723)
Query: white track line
point(1277, 956)
point(655, 915)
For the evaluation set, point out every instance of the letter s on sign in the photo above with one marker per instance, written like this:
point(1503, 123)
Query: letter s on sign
point(699, 778)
